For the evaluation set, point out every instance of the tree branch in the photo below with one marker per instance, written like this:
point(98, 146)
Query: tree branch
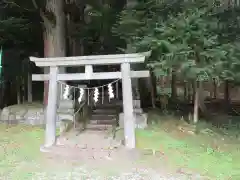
point(42, 15)
point(7, 2)
point(35, 4)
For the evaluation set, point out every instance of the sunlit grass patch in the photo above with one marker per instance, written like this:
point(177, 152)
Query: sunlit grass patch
point(194, 152)
point(18, 144)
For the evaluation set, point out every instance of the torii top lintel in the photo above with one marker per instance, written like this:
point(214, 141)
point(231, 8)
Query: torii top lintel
point(91, 60)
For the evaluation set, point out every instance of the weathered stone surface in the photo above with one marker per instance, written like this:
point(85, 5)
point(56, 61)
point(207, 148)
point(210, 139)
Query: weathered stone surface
point(24, 113)
point(138, 110)
point(66, 104)
point(33, 114)
point(136, 104)
point(140, 120)
point(65, 116)
point(140, 117)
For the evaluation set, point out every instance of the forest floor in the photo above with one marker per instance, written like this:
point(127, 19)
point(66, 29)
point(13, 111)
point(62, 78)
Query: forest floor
point(168, 150)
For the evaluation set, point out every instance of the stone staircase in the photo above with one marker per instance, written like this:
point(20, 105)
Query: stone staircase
point(104, 116)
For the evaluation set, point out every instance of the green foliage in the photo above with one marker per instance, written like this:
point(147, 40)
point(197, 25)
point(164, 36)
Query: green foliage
point(164, 91)
point(10, 29)
point(18, 24)
point(181, 37)
point(95, 30)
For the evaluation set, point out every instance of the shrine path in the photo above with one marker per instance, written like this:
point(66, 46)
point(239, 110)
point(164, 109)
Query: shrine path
point(89, 155)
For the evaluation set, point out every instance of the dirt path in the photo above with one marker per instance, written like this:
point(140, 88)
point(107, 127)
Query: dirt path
point(93, 156)
point(96, 156)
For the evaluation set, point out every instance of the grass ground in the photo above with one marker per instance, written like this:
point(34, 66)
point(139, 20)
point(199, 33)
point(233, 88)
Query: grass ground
point(214, 153)
point(20, 159)
point(19, 145)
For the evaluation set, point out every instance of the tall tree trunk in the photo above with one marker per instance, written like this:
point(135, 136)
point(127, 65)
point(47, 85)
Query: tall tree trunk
point(29, 86)
point(173, 86)
point(202, 96)
point(162, 84)
point(214, 89)
point(54, 36)
point(75, 45)
point(23, 89)
point(226, 92)
point(153, 89)
point(226, 95)
point(190, 92)
point(18, 85)
point(23, 80)
point(185, 91)
point(193, 91)
point(196, 103)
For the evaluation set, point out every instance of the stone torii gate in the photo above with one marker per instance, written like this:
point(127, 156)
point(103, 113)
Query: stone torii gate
point(89, 61)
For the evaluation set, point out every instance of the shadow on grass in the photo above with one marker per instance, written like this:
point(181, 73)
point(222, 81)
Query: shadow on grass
point(213, 154)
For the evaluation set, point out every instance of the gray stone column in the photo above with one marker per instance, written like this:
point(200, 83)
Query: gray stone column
point(51, 111)
point(129, 120)
point(135, 81)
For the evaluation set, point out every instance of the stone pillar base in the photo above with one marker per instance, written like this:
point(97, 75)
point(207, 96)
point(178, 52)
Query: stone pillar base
point(44, 149)
point(140, 120)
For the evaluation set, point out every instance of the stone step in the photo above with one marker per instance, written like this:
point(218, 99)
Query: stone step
point(103, 117)
point(104, 111)
point(107, 106)
point(138, 111)
point(113, 111)
point(98, 127)
point(102, 122)
point(106, 101)
point(65, 111)
point(66, 104)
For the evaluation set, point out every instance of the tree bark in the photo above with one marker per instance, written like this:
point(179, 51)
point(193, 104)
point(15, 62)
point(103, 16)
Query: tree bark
point(23, 89)
point(190, 92)
point(18, 85)
point(153, 89)
point(226, 96)
point(214, 89)
point(226, 92)
point(173, 86)
point(54, 36)
point(193, 91)
point(185, 91)
point(29, 86)
point(196, 103)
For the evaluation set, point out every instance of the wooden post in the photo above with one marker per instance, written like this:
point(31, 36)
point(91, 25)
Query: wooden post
point(50, 134)
point(129, 121)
